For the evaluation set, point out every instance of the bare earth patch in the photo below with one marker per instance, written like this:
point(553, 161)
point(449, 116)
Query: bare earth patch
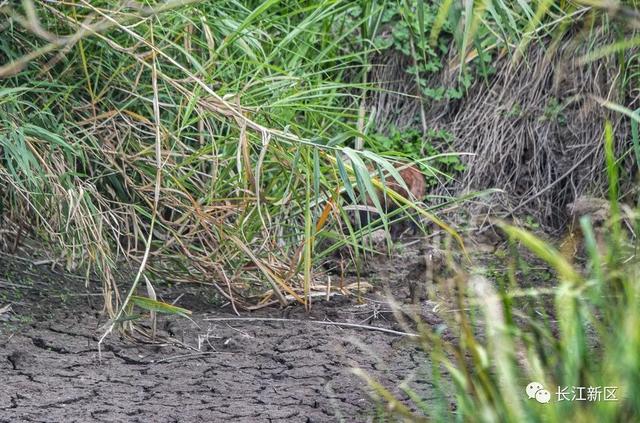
point(245, 371)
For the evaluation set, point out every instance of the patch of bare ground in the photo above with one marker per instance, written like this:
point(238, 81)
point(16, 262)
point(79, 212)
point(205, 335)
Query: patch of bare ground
point(238, 370)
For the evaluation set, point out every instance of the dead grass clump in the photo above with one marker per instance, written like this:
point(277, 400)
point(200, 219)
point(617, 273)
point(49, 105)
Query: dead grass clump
point(534, 129)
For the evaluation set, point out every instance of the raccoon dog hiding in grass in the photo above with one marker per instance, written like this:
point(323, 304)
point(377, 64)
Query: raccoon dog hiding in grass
point(414, 189)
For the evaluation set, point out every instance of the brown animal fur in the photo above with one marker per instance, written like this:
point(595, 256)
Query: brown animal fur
point(417, 189)
point(413, 179)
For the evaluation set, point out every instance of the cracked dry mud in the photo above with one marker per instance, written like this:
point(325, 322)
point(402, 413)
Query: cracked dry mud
point(244, 371)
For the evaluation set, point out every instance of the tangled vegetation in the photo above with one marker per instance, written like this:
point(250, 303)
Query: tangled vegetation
point(195, 140)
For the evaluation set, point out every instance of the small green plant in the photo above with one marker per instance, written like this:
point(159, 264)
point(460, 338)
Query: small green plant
point(554, 112)
point(430, 151)
point(531, 223)
point(407, 28)
point(514, 112)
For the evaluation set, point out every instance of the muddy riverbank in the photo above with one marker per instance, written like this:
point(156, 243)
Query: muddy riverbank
point(237, 370)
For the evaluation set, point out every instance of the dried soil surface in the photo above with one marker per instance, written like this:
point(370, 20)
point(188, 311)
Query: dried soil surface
point(237, 370)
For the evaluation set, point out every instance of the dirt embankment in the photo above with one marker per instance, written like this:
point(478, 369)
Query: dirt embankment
point(251, 370)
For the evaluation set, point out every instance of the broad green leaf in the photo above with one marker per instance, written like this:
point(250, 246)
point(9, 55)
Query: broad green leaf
point(158, 306)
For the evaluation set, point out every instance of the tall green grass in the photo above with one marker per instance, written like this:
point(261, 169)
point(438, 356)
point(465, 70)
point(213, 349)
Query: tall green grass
point(575, 335)
point(198, 141)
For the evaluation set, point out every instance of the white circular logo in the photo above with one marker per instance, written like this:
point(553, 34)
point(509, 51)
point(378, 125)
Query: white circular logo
point(532, 388)
point(543, 396)
point(537, 391)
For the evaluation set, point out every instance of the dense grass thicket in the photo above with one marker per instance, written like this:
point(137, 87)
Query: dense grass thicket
point(195, 139)
point(218, 142)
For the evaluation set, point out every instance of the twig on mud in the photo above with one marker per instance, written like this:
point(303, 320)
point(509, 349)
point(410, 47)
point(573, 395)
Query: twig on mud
point(43, 261)
point(193, 355)
point(17, 285)
point(317, 322)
